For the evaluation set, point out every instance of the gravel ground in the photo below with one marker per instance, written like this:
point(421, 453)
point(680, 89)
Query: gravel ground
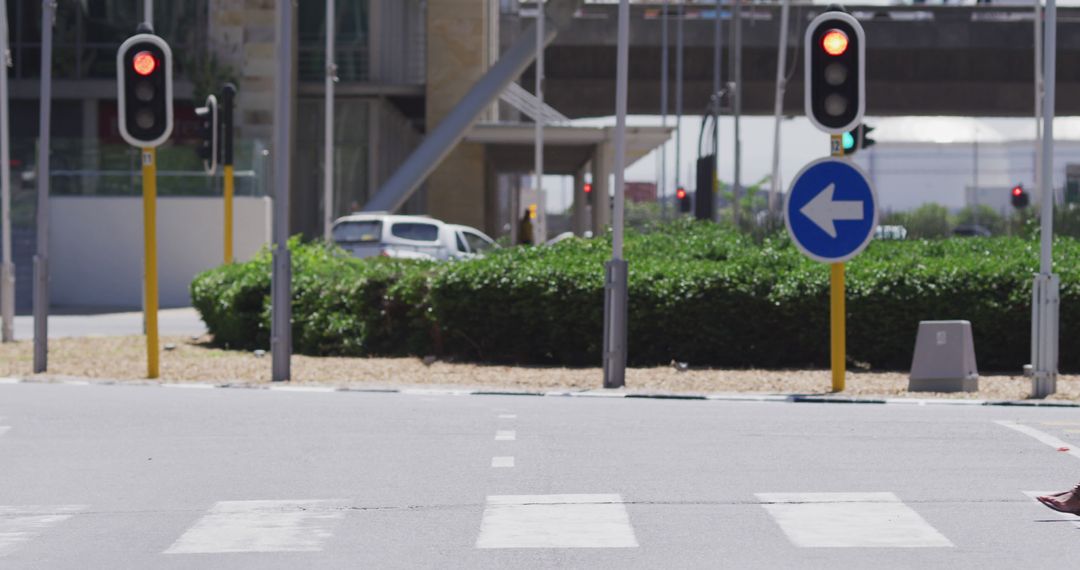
point(124, 358)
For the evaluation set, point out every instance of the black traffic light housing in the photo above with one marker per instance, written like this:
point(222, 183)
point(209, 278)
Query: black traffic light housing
point(1019, 196)
point(704, 197)
point(208, 149)
point(857, 139)
point(145, 92)
point(683, 198)
point(228, 103)
point(835, 65)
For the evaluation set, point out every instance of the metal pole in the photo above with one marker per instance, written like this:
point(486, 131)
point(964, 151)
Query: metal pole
point(616, 286)
point(148, 13)
point(281, 281)
point(678, 96)
point(228, 97)
point(1038, 94)
point(661, 187)
point(150, 270)
point(538, 143)
point(7, 269)
point(41, 260)
point(714, 103)
point(1045, 290)
point(837, 304)
point(328, 130)
point(778, 109)
point(736, 77)
point(975, 181)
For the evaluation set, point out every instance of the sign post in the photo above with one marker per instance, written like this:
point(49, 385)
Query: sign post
point(228, 98)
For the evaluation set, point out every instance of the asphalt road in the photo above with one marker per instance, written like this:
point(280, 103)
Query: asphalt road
point(171, 322)
point(153, 477)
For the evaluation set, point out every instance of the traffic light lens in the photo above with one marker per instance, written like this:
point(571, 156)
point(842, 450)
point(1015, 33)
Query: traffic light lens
point(680, 193)
point(144, 91)
point(849, 141)
point(836, 105)
point(144, 63)
point(834, 42)
point(836, 74)
point(1017, 191)
point(144, 119)
point(588, 188)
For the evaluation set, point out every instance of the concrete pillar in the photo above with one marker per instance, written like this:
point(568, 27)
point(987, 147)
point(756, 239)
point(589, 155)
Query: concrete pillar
point(459, 52)
point(601, 210)
point(580, 221)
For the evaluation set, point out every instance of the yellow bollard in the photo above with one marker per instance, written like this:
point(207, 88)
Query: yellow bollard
point(150, 305)
point(229, 213)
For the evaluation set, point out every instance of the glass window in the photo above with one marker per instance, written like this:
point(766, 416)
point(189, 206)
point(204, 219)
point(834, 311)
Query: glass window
point(415, 231)
point(461, 243)
point(477, 242)
point(358, 232)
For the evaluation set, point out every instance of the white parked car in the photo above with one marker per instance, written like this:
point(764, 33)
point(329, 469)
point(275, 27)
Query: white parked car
point(408, 237)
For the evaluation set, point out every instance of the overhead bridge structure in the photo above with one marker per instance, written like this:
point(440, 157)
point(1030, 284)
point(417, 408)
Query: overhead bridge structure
point(921, 60)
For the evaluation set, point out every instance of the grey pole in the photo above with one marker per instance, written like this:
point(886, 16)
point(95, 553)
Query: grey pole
point(148, 13)
point(778, 109)
point(1045, 292)
point(1038, 94)
point(678, 97)
point(41, 260)
point(714, 103)
point(538, 143)
point(7, 269)
point(975, 179)
point(281, 280)
point(615, 307)
point(328, 125)
point(736, 77)
point(661, 187)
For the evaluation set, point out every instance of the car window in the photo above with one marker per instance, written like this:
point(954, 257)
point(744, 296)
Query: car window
point(461, 243)
point(477, 242)
point(415, 231)
point(358, 232)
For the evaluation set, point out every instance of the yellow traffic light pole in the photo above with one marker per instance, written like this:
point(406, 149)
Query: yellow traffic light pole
point(837, 311)
point(149, 180)
point(229, 213)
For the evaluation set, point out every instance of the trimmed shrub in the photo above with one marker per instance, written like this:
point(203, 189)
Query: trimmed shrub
point(698, 293)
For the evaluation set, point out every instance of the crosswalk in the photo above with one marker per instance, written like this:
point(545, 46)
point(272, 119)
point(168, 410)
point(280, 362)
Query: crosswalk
point(865, 520)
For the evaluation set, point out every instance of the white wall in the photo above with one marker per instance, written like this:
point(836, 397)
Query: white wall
point(96, 246)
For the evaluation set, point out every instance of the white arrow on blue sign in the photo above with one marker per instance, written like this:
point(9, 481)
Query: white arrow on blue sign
point(831, 210)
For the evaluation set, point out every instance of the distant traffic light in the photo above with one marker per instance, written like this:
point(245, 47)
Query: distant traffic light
point(857, 139)
point(835, 72)
point(208, 134)
point(588, 192)
point(704, 203)
point(1019, 197)
point(145, 97)
point(684, 200)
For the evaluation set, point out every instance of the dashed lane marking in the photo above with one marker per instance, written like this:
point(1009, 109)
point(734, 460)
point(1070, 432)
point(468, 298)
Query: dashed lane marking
point(505, 461)
point(505, 435)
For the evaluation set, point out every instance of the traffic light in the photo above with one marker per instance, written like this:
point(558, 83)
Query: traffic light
point(144, 78)
point(857, 139)
point(228, 98)
point(704, 203)
point(835, 92)
point(588, 192)
point(1019, 196)
point(208, 134)
point(683, 198)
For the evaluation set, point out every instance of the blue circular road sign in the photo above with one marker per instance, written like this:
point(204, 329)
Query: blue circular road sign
point(831, 210)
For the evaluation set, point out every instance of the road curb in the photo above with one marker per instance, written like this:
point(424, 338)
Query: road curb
point(719, 397)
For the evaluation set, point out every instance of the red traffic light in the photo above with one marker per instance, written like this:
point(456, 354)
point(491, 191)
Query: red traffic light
point(588, 188)
point(1017, 191)
point(680, 194)
point(144, 63)
point(834, 42)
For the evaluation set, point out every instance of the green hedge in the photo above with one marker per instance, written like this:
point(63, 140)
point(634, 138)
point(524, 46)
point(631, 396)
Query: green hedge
point(698, 293)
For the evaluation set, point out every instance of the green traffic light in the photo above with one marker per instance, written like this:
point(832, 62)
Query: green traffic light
point(848, 141)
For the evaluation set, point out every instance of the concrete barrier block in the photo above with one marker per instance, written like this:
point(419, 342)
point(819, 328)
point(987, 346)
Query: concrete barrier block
point(944, 358)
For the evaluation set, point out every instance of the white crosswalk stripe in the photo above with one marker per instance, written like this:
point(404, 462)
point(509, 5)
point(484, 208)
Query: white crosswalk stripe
point(555, 521)
point(817, 520)
point(21, 524)
point(261, 526)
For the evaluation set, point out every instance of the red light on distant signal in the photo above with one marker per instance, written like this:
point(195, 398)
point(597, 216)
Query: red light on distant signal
point(588, 188)
point(1018, 191)
point(834, 42)
point(680, 193)
point(144, 63)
